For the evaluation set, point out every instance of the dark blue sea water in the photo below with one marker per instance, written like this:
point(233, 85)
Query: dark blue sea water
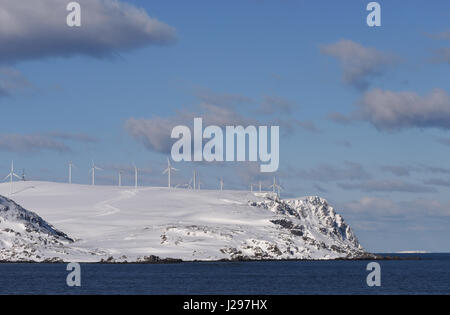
point(429, 275)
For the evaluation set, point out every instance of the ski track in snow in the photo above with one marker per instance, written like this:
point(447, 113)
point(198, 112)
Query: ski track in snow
point(107, 209)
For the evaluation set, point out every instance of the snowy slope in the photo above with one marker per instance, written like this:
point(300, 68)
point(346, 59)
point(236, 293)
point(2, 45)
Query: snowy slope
point(129, 224)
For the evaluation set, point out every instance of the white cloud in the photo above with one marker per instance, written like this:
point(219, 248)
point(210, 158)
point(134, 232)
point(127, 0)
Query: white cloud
point(359, 64)
point(38, 29)
point(389, 110)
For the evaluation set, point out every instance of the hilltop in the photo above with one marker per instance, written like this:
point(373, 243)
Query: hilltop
point(94, 223)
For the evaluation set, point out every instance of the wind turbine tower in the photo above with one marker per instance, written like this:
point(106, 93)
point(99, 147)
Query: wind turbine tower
point(93, 168)
point(221, 184)
point(70, 171)
point(195, 180)
point(120, 178)
point(136, 177)
point(199, 183)
point(169, 170)
point(11, 176)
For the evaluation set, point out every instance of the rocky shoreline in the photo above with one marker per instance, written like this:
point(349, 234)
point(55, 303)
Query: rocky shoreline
point(155, 260)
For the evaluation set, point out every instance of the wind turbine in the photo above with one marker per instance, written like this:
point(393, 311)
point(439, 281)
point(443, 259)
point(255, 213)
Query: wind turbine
point(93, 168)
point(195, 180)
point(199, 183)
point(169, 170)
point(70, 171)
point(221, 184)
point(120, 178)
point(11, 176)
point(279, 189)
point(136, 177)
point(275, 187)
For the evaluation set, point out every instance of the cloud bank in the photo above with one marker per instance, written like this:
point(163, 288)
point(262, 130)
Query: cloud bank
point(392, 111)
point(39, 30)
point(388, 110)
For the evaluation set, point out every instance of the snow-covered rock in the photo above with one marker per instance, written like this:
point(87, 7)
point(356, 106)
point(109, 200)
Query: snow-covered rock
point(116, 224)
point(25, 236)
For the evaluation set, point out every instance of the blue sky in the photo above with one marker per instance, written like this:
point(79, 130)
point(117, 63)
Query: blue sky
point(110, 90)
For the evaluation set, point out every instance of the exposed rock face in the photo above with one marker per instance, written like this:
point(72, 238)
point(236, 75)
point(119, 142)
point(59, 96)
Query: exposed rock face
point(12, 212)
point(310, 229)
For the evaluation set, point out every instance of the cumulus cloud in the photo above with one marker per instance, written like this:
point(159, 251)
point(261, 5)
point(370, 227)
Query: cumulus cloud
point(219, 109)
point(387, 186)
point(388, 110)
point(359, 64)
point(39, 30)
point(391, 111)
point(154, 133)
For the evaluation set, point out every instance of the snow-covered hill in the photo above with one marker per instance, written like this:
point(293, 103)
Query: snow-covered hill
point(88, 224)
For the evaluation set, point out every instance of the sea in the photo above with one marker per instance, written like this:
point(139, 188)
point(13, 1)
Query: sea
point(425, 274)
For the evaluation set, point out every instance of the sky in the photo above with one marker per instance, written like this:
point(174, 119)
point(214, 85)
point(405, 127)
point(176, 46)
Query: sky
point(364, 112)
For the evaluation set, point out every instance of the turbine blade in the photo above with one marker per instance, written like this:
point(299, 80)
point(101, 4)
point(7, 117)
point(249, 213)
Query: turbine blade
point(17, 176)
point(7, 176)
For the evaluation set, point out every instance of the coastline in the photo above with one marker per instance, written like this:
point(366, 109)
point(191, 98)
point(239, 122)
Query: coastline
point(155, 260)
